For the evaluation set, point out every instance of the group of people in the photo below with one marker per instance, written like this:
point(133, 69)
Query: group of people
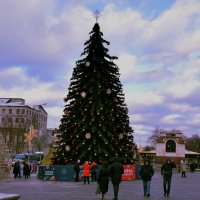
point(147, 171)
point(88, 169)
point(113, 171)
point(21, 169)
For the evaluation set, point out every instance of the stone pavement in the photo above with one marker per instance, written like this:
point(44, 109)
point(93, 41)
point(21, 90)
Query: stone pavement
point(33, 189)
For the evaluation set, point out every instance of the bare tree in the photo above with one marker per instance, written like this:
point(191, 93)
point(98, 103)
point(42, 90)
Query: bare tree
point(42, 141)
point(12, 130)
point(152, 139)
point(155, 134)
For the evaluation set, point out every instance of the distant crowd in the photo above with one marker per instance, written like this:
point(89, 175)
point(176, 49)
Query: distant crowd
point(23, 169)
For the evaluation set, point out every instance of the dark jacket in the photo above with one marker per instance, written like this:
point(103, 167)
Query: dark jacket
point(16, 168)
point(166, 169)
point(26, 169)
point(146, 172)
point(116, 171)
point(77, 167)
point(103, 179)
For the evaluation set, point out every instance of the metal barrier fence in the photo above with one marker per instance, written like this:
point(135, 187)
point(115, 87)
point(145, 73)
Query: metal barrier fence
point(66, 172)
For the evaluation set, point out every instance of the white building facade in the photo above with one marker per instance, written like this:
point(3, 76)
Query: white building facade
point(170, 145)
point(15, 120)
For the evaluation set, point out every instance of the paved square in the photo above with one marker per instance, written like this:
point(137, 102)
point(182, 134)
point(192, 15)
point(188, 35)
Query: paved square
point(33, 189)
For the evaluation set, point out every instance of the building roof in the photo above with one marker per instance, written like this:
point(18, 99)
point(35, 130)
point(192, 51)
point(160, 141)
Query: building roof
point(187, 152)
point(17, 102)
point(12, 102)
point(191, 153)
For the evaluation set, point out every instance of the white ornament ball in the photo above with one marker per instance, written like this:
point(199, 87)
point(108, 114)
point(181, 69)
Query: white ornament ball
point(87, 135)
point(67, 148)
point(120, 136)
point(83, 94)
point(87, 64)
point(108, 91)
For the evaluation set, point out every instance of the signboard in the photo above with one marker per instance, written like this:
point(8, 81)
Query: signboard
point(129, 173)
point(56, 172)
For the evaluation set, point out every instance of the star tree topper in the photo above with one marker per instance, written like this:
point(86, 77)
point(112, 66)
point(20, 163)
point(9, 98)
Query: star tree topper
point(97, 14)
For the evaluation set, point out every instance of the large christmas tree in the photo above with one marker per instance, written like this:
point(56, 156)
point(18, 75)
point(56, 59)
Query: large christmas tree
point(95, 124)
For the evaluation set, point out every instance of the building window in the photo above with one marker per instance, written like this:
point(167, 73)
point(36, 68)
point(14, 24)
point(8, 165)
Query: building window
point(17, 111)
point(17, 120)
point(22, 120)
point(10, 111)
point(3, 111)
point(3, 120)
point(170, 146)
point(23, 111)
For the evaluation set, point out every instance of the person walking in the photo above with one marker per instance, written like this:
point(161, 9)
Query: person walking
point(77, 170)
point(86, 172)
point(146, 172)
point(116, 171)
point(166, 171)
point(192, 167)
point(103, 179)
point(26, 170)
point(16, 170)
point(183, 169)
point(93, 168)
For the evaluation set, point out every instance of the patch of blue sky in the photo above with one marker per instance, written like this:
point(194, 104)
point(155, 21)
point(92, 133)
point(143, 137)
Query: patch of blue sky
point(149, 8)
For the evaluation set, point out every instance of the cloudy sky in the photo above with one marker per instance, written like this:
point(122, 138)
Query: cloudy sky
point(157, 42)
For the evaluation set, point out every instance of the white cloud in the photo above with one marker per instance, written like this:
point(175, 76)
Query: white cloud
point(180, 107)
point(54, 116)
point(34, 92)
point(147, 98)
point(170, 119)
point(136, 118)
point(126, 64)
point(186, 81)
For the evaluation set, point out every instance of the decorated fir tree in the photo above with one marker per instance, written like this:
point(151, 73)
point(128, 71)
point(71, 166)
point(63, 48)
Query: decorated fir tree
point(95, 124)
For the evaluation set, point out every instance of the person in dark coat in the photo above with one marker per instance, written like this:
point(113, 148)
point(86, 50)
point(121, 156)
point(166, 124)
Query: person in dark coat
point(192, 167)
point(16, 170)
point(166, 171)
point(103, 179)
point(26, 170)
point(77, 170)
point(146, 172)
point(116, 171)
